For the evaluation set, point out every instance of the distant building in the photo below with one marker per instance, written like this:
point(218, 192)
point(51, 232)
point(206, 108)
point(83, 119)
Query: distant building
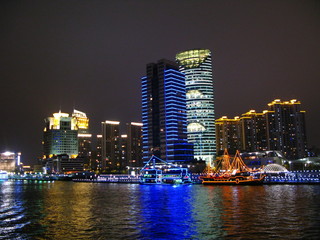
point(287, 128)
point(196, 65)
point(253, 131)
point(164, 113)
point(63, 164)
point(10, 161)
point(60, 136)
point(124, 142)
point(84, 137)
point(281, 128)
point(97, 156)
point(134, 144)
point(110, 145)
point(228, 133)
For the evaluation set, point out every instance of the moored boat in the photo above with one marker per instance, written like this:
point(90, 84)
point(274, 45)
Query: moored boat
point(243, 178)
point(176, 176)
point(151, 176)
point(232, 173)
point(157, 171)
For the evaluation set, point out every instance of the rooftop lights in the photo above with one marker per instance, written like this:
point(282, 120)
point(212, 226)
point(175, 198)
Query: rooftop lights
point(112, 122)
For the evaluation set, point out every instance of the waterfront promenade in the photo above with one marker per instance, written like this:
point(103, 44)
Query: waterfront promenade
point(293, 177)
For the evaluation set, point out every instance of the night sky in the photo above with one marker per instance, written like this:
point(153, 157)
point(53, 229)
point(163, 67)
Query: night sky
point(91, 55)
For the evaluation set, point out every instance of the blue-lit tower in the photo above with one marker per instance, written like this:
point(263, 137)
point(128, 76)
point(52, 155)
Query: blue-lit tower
point(197, 68)
point(164, 113)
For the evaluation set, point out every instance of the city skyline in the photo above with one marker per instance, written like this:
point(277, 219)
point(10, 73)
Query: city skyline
point(90, 56)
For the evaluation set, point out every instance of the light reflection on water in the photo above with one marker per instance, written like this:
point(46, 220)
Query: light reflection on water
point(67, 210)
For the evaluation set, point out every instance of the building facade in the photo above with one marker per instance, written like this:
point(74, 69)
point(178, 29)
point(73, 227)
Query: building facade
point(97, 154)
point(228, 134)
point(60, 136)
point(164, 113)
point(110, 146)
point(84, 137)
point(10, 161)
point(196, 65)
point(254, 131)
point(281, 128)
point(134, 145)
point(287, 128)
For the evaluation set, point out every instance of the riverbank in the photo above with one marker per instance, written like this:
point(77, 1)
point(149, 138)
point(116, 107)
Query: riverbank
point(293, 177)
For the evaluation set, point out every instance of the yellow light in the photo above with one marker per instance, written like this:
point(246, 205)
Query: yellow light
point(60, 115)
point(192, 58)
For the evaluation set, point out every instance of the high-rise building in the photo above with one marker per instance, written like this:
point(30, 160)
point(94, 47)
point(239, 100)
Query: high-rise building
point(253, 131)
point(97, 159)
point(134, 144)
point(82, 121)
point(228, 134)
point(286, 128)
point(164, 113)
point(110, 147)
point(124, 151)
point(281, 128)
point(84, 137)
point(197, 68)
point(60, 136)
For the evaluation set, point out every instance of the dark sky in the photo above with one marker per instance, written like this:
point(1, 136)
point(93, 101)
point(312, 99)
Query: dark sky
point(91, 54)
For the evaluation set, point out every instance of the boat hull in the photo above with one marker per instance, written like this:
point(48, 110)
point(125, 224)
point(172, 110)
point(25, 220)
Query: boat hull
point(231, 181)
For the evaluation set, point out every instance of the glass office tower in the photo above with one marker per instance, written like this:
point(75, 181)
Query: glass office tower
point(197, 68)
point(60, 136)
point(164, 113)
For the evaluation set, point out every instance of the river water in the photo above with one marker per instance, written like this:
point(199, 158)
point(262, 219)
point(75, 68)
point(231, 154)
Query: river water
point(67, 210)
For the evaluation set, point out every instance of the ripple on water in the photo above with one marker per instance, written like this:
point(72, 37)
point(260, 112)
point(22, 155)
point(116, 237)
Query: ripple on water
point(127, 211)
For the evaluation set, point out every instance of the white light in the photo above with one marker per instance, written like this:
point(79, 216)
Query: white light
point(112, 122)
point(84, 135)
point(136, 124)
point(8, 153)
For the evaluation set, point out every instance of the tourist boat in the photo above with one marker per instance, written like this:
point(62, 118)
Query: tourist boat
point(157, 171)
point(232, 173)
point(176, 176)
point(3, 175)
point(151, 176)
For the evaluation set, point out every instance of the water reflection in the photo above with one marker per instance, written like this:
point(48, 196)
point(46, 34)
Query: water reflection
point(67, 210)
point(166, 212)
point(12, 211)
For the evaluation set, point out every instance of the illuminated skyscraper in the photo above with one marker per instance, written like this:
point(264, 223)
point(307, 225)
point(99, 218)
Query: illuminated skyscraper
point(228, 134)
point(197, 68)
point(253, 131)
point(84, 137)
point(164, 113)
point(286, 128)
point(60, 136)
point(110, 147)
point(281, 128)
